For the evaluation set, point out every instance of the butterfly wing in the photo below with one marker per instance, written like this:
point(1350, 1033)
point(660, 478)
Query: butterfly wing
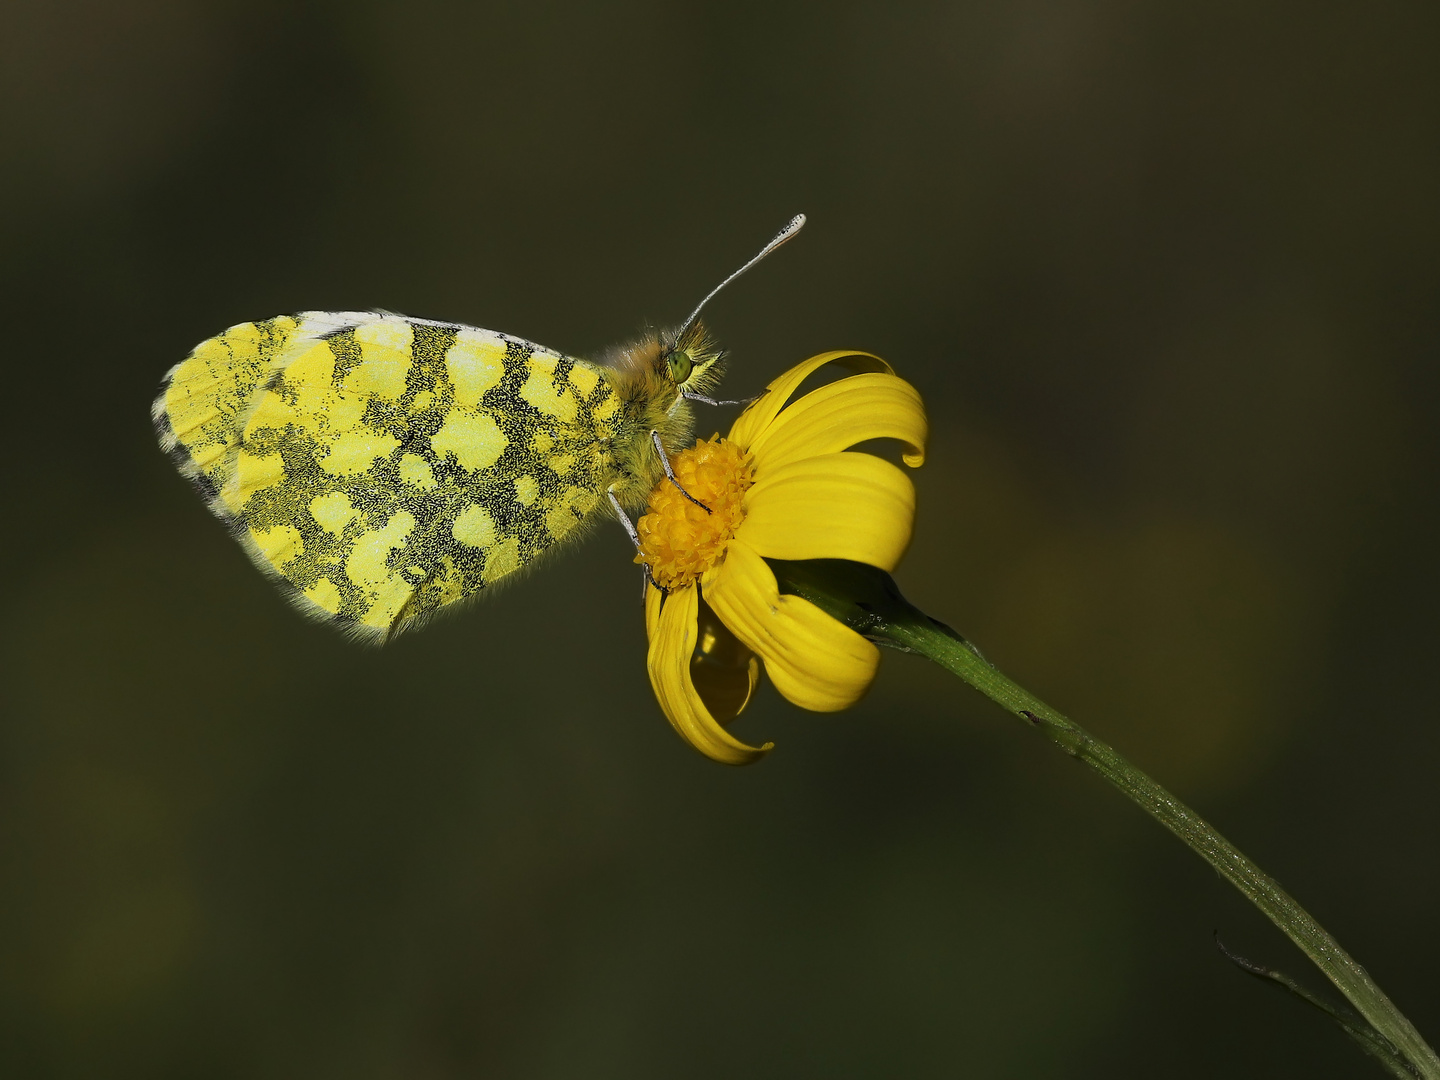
point(383, 467)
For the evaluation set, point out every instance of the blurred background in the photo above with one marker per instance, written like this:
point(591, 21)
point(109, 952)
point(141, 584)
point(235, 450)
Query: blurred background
point(1166, 275)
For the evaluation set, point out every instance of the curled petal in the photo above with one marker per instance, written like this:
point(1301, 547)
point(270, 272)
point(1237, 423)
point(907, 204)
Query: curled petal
point(816, 662)
point(872, 405)
point(758, 416)
point(671, 623)
point(836, 506)
point(724, 671)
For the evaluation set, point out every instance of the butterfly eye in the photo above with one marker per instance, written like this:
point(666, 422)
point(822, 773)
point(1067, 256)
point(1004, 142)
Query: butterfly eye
point(680, 365)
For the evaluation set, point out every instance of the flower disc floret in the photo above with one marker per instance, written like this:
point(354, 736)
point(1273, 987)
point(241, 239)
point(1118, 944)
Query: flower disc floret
point(680, 540)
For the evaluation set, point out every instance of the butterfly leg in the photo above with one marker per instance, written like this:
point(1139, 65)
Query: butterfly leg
point(634, 539)
point(665, 461)
point(624, 518)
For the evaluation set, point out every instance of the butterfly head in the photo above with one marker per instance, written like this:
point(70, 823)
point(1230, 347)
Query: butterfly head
point(690, 361)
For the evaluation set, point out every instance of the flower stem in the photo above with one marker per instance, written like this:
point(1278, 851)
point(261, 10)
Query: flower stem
point(867, 600)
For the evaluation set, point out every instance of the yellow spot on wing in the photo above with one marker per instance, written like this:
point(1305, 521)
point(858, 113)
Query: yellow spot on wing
point(475, 364)
point(385, 357)
point(540, 391)
point(354, 452)
point(526, 489)
point(474, 438)
point(584, 379)
point(388, 333)
point(474, 526)
point(333, 511)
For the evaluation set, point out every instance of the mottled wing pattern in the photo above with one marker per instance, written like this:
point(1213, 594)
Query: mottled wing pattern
point(205, 397)
point(383, 467)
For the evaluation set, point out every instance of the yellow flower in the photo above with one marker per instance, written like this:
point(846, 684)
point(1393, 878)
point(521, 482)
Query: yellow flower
point(784, 485)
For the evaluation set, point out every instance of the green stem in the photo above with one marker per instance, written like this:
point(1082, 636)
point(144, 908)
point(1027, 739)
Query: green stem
point(868, 600)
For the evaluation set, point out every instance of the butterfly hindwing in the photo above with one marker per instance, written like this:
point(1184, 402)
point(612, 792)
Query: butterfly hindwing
point(384, 467)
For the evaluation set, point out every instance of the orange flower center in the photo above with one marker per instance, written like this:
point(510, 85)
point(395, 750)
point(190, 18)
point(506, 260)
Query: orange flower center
point(678, 539)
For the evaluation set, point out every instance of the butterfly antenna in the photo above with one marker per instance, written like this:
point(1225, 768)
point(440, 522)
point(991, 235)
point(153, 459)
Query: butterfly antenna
point(796, 224)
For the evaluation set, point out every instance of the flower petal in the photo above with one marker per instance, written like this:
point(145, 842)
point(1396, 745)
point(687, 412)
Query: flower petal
point(836, 417)
point(671, 624)
point(849, 505)
point(815, 661)
point(758, 416)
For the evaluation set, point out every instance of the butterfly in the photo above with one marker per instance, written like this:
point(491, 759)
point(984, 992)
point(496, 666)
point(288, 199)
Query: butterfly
point(382, 468)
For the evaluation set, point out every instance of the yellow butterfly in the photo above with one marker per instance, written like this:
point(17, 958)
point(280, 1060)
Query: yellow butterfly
point(382, 467)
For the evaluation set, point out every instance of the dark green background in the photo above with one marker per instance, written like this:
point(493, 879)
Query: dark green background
point(1166, 275)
